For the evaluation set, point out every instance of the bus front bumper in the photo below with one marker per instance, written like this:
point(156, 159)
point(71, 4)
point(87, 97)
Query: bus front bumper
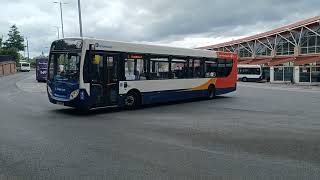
point(82, 101)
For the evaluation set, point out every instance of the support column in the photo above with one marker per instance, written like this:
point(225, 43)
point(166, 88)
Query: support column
point(296, 74)
point(273, 53)
point(297, 50)
point(271, 74)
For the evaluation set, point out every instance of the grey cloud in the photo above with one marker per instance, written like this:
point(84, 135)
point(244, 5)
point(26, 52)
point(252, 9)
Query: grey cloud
point(164, 19)
point(159, 20)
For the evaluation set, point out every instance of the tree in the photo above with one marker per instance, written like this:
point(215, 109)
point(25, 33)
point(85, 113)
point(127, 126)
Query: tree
point(1, 42)
point(15, 41)
point(10, 52)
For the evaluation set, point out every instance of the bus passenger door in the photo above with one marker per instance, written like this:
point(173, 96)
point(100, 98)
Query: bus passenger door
point(104, 81)
point(97, 71)
point(111, 77)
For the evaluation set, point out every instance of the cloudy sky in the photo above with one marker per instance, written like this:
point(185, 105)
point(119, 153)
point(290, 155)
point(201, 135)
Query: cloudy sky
point(183, 23)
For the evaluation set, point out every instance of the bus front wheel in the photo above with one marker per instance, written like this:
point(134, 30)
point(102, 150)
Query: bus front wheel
point(132, 100)
point(244, 79)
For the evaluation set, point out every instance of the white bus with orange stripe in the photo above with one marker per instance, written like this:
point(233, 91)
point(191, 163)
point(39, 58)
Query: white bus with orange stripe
point(89, 73)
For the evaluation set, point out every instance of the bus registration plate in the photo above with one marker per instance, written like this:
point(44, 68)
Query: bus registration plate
point(60, 103)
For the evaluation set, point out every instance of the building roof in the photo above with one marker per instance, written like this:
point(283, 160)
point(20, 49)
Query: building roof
point(296, 25)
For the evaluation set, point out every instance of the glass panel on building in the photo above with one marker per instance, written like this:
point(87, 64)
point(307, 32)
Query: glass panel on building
point(304, 74)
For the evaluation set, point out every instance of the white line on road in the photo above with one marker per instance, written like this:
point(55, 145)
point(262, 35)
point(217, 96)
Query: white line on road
point(281, 88)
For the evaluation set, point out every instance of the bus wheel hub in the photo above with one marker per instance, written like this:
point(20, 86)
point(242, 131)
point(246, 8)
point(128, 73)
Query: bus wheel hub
point(129, 100)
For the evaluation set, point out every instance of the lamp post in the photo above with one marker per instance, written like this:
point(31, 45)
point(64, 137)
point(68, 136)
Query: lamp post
point(80, 19)
point(28, 49)
point(58, 31)
point(61, 15)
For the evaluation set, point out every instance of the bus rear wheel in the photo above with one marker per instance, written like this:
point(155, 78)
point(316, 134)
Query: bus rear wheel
point(211, 92)
point(132, 101)
point(244, 79)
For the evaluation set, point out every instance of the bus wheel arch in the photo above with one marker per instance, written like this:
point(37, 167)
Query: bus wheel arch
point(133, 99)
point(211, 91)
point(244, 79)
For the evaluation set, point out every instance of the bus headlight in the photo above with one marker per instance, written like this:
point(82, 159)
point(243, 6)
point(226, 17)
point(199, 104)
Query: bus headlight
point(74, 94)
point(49, 91)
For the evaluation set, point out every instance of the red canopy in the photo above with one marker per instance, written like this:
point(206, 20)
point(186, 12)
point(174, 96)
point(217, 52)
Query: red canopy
point(306, 60)
point(245, 62)
point(278, 61)
point(260, 61)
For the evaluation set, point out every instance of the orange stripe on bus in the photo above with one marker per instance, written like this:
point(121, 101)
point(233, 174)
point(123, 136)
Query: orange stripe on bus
point(206, 85)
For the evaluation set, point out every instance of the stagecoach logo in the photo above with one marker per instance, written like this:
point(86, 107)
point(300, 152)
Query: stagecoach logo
point(97, 45)
point(60, 89)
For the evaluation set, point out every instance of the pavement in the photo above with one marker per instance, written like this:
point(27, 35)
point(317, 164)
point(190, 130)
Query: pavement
point(283, 86)
point(259, 132)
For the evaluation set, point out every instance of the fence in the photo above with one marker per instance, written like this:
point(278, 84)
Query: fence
point(282, 73)
point(297, 74)
point(309, 74)
point(7, 68)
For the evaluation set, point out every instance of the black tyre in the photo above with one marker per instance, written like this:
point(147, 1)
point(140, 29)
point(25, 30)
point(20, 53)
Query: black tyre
point(211, 92)
point(132, 101)
point(244, 79)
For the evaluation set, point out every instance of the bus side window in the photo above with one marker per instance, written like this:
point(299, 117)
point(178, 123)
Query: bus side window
point(229, 65)
point(140, 72)
point(197, 69)
point(159, 68)
point(97, 68)
point(112, 69)
point(221, 72)
point(86, 66)
point(211, 67)
point(179, 68)
point(129, 70)
point(135, 69)
point(52, 69)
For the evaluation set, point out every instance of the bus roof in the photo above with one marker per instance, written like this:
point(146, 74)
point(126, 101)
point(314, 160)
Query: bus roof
point(145, 48)
point(249, 66)
point(24, 62)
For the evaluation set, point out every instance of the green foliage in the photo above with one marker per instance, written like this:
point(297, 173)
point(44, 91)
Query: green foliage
point(10, 52)
point(13, 44)
point(1, 42)
point(15, 40)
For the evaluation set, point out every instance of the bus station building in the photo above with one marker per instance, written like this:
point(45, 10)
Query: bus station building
point(290, 53)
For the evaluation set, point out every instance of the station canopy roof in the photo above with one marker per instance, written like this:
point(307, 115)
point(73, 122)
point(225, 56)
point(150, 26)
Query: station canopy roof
point(306, 60)
point(261, 61)
point(266, 34)
point(279, 61)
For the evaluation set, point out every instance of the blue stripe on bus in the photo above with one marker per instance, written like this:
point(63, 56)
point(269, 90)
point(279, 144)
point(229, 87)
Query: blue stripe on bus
point(225, 90)
point(167, 96)
point(176, 95)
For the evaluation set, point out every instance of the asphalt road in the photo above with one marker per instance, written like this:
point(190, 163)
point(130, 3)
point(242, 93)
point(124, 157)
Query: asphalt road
point(256, 133)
